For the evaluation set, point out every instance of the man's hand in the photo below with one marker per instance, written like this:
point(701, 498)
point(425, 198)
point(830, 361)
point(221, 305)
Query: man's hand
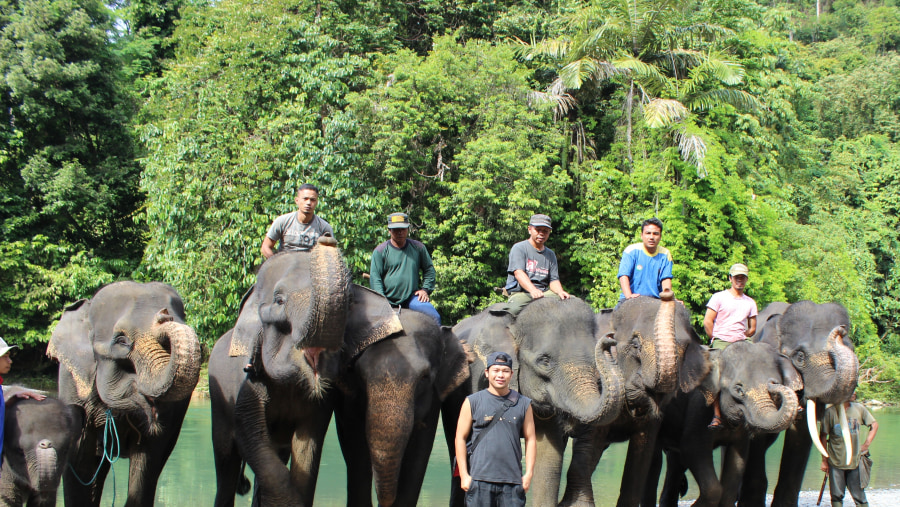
point(31, 394)
point(536, 293)
point(864, 448)
point(824, 466)
point(422, 294)
point(526, 482)
point(465, 481)
point(563, 295)
point(632, 296)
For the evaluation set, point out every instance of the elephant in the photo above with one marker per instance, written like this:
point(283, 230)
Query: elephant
point(128, 359)
point(756, 387)
point(39, 437)
point(297, 326)
point(816, 339)
point(657, 353)
point(387, 408)
point(560, 364)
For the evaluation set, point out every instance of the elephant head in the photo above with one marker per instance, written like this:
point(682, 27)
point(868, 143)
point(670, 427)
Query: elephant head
point(563, 367)
point(756, 386)
point(296, 312)
point(130, 345)
point(39, 439)
point(816, 339)
point(404, 379)
point(657, 351)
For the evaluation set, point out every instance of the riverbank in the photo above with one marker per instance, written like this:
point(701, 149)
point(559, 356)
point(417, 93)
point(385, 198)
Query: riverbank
point(876, 498)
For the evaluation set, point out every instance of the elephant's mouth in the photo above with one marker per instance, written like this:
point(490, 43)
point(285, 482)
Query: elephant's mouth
point(312, 356)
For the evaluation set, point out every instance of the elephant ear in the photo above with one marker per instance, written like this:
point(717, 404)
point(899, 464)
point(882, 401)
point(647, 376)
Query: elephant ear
point(70, 344)
point(454, 365)
point(696, 365)
point(771, 331)
point(371, 320)
point(789, 375)
point(248, 330)
point(711, 384)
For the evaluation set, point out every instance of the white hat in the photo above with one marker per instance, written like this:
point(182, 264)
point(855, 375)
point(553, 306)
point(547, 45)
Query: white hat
point(4, 348)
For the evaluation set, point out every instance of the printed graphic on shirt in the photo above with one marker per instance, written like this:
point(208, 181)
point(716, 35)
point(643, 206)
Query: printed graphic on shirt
point(534, 271)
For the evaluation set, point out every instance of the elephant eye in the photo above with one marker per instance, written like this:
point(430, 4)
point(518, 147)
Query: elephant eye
point(739, 389)
point(800, 358)
point(121, 339)
point(279, 299)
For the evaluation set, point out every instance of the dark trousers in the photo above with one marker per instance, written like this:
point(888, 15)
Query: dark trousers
point(845, 479)
point(495, 494)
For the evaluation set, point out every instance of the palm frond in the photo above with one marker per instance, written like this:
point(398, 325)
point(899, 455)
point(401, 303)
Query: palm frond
point(556, 49)
point(556, 95)
point(664, 112)
point(693, 150)
point(737, 98)
point(641, 70)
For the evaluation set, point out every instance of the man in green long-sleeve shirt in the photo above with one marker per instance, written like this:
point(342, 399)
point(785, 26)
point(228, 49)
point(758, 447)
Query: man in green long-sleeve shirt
point(396, 264)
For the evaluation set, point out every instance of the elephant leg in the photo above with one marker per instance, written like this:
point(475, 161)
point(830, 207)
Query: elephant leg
point(586, 452)
point(675, 470)
point(228, 464)
point(637, 464)
point(85, 463)
point(649, 497)
point(351, 431)
point(147, 459)
point(10, 493)
point(415, 460)
point(797, 445)
point(551, 443)
point(754, 486)
point(699, 459)
point(273, 481)
point(306, 452)
point(734, 462)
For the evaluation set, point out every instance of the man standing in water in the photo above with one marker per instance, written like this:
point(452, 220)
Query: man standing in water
point(298, 230)
point(495, 418)
point(842, 475)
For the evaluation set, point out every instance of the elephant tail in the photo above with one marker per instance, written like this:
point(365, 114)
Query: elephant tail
point(243, 486)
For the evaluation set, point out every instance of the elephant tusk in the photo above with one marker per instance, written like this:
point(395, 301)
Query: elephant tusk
point(811, 424)
point(845, 432)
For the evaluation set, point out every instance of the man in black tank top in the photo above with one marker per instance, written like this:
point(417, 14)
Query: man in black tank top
point(490, 462)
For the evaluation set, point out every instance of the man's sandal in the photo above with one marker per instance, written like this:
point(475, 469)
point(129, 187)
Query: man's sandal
point(716, 423)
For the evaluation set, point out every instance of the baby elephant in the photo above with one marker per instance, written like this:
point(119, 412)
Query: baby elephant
point(39, 437)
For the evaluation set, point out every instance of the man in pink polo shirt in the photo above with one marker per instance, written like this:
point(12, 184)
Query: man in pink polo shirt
point(730, 317)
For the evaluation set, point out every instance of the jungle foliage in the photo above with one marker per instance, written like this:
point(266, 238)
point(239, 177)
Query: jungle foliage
point(157, 139)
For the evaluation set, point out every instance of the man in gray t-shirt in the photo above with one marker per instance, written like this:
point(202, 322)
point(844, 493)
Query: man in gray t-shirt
point(298, 230)
point(533, 272)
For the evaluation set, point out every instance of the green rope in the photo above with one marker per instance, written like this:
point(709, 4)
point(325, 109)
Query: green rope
point(111, 451)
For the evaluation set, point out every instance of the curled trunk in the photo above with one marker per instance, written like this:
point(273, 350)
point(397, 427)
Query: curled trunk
point(612, 396)
point(389, 422)
point(658, 356)
point(834, 372)
point(765, 415)
point(330, 305)
point(167, 375)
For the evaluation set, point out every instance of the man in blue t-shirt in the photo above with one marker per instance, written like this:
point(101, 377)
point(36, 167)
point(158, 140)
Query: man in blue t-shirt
point(646, 267)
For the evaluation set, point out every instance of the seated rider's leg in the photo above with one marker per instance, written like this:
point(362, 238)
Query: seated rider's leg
point(550, 294)
point(517, 301)
point(427, 308)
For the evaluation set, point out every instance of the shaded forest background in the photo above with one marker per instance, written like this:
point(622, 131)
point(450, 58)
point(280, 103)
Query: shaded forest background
point(157, 139)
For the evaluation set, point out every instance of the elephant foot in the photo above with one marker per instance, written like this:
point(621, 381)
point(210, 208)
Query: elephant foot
point(578, 502)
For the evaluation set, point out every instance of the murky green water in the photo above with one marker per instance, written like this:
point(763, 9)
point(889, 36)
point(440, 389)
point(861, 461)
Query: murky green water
point(189, 478)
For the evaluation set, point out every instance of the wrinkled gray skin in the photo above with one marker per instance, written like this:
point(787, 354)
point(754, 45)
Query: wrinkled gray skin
point(657, 353)
point(39, 437)
point(128, 350)
point(388, 405)
point(756, 387)
point(816, 339)
point(561, 365)
point(296, 326)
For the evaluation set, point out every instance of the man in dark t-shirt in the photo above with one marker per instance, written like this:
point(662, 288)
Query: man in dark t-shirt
point(395, 269)
point(533, 272)
point(492, 475)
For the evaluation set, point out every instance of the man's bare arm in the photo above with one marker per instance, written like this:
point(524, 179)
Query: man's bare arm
point(530, 448)
point(526, 284)
point(463, 428)
point(268, 247)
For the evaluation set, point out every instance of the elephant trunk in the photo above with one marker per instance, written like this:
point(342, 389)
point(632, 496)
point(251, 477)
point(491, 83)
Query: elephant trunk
point(167, 375)
point(612, 396)
point(389, 422)
point(329, 306)
point(46, 463)
point(658, 356)
point(833, 373)
point(765, 415)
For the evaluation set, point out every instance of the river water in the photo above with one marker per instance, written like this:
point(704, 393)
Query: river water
point(189, 478)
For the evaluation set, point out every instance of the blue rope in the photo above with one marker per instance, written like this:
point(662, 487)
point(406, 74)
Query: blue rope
point(111, 451)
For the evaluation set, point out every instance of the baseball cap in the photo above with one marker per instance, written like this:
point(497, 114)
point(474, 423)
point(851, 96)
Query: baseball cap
point(4, 348)
point(540, 221)
point(499, 359)
point(739, 269)
point(398, 221)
